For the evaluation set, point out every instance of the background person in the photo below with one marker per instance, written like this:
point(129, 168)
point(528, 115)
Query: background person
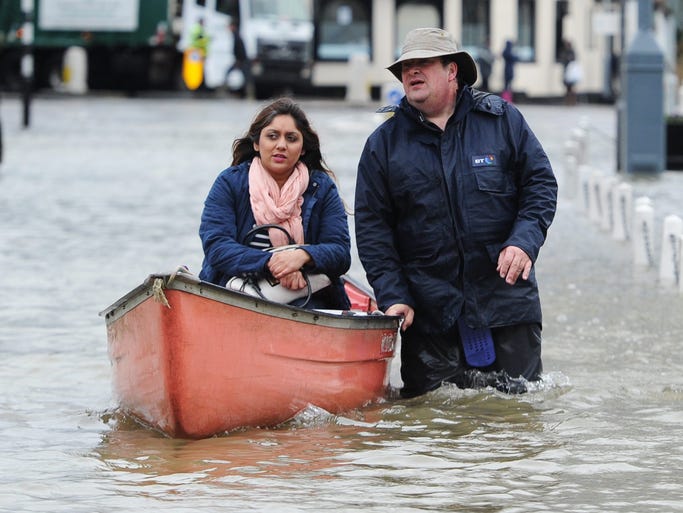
point(485, 60)
point(241, 63)
point(510, 58)
point(278, 176)
point(571, 72)
point(199, 38)
point(454, 196)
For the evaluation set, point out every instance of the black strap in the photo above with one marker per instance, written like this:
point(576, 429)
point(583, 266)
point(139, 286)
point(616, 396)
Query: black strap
point(256, 229)
point(254, 279)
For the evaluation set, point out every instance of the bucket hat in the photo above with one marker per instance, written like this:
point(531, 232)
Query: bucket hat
point(425, 43)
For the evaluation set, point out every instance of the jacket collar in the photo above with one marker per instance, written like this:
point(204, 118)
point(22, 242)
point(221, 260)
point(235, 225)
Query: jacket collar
point(464, 103)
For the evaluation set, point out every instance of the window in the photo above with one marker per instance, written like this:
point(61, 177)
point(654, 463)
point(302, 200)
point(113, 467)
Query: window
point(475, 25)
point(526, 30)
point(561, 10)
point(343, 29)
point(300, 10)
point(229, 7)
point(412, 14)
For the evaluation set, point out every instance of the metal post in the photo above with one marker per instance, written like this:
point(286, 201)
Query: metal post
point(620, 98)
point(641, 130)
point(0, 141)
point(27, 8)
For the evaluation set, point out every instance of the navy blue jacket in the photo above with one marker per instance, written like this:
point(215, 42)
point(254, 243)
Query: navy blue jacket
point(433, 209)
point(227, 218)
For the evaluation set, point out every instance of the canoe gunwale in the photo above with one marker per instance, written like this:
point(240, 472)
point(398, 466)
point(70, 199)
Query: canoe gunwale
point(191, 285)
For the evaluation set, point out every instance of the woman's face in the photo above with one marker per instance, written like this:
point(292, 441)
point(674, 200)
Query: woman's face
point(280, 145)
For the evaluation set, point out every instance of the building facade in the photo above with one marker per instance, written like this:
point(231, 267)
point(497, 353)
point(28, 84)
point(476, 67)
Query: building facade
point(372, 31)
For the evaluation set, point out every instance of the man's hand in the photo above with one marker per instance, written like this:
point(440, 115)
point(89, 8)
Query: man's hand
point(404, 311)
point(512, 262)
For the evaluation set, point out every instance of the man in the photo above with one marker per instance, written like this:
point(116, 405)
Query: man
point(238, 75)
point(454, 197)
point(485, 60)
point(571, 71)
point(199, 38)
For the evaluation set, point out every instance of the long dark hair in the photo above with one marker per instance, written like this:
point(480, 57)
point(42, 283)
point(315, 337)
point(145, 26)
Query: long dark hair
point(243, 148)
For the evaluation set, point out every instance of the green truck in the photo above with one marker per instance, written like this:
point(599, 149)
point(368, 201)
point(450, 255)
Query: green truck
point(130, 44)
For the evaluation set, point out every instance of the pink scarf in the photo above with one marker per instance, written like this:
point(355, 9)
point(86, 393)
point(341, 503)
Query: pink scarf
point(272, 205)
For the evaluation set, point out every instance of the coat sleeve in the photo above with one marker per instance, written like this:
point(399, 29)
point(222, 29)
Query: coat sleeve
point(537, 188)
point(223, 212)
point(330, 244)
point(374, 225)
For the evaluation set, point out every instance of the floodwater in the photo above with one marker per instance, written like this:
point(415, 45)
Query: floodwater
point(101, 191)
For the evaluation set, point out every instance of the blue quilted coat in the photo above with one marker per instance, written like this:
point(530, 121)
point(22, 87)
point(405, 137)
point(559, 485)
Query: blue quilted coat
point(227, 218)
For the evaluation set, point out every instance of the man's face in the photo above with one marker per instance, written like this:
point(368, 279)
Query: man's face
point(427, 79)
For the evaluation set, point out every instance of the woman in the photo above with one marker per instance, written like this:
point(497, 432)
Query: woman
point(278, 176)
point(571, 73)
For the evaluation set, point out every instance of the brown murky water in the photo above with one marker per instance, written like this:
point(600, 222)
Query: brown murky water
point(100, 192)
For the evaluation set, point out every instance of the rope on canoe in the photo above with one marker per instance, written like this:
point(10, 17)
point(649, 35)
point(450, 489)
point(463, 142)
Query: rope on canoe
point(181, 269)
point(158, 291)
point(161, 283)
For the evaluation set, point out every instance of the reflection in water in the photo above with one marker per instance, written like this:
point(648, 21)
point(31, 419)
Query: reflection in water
point(451, 431)
point(449, 450)
point(298, 447)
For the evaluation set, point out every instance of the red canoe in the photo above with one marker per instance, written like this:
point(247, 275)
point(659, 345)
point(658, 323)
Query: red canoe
point(193, 359)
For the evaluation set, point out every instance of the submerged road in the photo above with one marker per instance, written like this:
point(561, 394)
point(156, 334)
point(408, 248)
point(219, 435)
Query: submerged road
point(102, 190)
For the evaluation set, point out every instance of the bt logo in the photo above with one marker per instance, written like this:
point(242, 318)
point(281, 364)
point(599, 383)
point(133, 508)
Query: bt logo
point(484, 160)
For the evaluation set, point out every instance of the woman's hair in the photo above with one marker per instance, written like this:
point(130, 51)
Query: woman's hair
point(243, 148)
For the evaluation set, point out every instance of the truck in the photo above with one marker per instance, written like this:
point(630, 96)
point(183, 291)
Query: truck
point(139, 44)
point(130, 44)
point(277, 35)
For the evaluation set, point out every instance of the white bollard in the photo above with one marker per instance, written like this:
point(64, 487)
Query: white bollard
point(607, 186)
point(585, 125)
point(595, 206)
point(580, 136)
point(670, 256)
point(643, 233)
point(571, 148)
point(584, 191)
point(570, 183)
point(357, 90)
point(623, 214)
point(75, 70)
point(643, 200)
point(680, 266)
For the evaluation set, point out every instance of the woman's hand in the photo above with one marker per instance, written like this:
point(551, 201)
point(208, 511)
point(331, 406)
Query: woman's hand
point(293, 281)
point(284, 263)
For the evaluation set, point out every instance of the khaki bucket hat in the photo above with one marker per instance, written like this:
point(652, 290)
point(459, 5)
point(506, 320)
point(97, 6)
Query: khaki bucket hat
point(425, 43)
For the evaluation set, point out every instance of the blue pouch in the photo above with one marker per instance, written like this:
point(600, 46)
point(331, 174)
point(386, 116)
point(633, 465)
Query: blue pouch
point(477, 344)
